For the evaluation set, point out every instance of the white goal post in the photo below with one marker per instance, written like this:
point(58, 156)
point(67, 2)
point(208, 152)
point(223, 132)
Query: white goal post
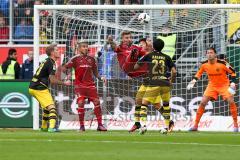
point(191, 42)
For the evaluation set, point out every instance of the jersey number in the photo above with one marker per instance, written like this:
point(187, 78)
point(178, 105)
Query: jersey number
point(159, 66)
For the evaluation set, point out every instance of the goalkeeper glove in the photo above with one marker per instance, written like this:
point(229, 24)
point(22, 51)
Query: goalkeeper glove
point(191, 84)
point(232, 88)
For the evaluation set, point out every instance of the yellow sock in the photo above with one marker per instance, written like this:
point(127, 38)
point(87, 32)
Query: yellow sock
point(166, 114)
point(45, 118)
point(143, 114)
point(137, 113)
point(52, 117)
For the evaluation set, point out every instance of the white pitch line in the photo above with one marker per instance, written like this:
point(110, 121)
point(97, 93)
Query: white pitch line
point(127, 142)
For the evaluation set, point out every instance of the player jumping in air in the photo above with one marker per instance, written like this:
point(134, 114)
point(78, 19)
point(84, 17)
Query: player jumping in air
point(38, 88)
point(219, 84)
point(159, 85)
point(128, 54)
point(84, 86)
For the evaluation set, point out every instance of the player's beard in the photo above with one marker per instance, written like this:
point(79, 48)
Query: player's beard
point(130, 43)
point(84, 53)
point(127, 43)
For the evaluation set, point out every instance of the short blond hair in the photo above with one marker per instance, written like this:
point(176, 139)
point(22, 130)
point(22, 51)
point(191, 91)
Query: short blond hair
point(125, 33)
point(80, 42)
point(50, 49)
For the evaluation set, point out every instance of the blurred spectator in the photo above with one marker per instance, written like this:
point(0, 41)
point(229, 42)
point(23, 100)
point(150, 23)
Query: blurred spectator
point(23, 9)
point(10, 68)
point(4, 7)
point(136, 2)
point(45, 31)
point(216, 2)
point(4, 31)
point(107, 61)
point(24, 31)
point(109, 44)
point(38, 2)
point(27, 67)
point(87, 2)
point(108, 2)
point(109, 15)
point(126, 2)
point(60, 1)
point(160, 16)
point(104, 58)
point(173, 14)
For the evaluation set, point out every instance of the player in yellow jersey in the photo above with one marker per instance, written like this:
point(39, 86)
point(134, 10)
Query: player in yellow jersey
point(159, 85)
point(140, 113)
point(38, 88)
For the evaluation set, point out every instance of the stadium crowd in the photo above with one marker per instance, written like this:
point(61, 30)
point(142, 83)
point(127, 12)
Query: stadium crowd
point(16, 23)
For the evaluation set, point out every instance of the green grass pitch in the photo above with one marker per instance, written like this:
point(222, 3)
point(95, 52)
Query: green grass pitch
point(25, 144)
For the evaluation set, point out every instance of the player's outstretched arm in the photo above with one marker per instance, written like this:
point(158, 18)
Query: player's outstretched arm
point(141, 61)
point(54, 80)
point(136, 66)
point(191, 84)
point(195, 78)
point(232, 72)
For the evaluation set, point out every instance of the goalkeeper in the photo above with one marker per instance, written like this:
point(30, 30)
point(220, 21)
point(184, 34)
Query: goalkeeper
point(159, 86)
point(218, 84)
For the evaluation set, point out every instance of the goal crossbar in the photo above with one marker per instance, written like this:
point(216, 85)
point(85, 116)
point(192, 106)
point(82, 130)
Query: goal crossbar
point(140, 7)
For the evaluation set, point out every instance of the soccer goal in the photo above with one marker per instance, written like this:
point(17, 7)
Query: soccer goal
point(188, 30)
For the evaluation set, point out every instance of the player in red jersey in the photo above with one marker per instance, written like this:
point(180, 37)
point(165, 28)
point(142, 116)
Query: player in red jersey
point(84, 86)
point(128, 54)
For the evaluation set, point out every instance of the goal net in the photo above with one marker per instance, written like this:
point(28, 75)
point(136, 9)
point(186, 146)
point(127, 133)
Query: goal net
point(188, 30)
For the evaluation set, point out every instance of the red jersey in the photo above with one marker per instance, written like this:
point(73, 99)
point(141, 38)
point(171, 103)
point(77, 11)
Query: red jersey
point(126, 63)
point(4, 34)
point(84, 67)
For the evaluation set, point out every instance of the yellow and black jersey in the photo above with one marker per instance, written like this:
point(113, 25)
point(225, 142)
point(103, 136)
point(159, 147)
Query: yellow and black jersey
point(159, 65)
point(40, 79)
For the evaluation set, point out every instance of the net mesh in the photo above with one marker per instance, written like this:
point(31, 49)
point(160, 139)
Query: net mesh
point(194, 30)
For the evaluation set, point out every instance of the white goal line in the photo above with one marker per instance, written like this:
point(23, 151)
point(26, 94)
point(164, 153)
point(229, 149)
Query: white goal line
point(127, 142)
